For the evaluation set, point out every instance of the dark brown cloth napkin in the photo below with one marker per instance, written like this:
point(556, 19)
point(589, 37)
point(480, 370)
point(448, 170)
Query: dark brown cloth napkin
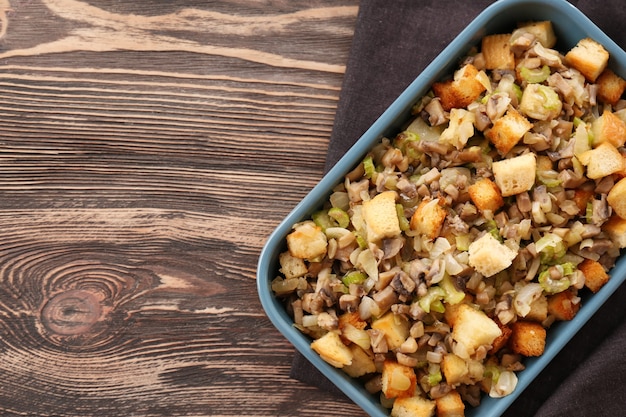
point(393, 42)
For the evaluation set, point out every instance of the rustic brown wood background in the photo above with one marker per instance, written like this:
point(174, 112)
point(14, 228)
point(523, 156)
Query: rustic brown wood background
point(147, 150)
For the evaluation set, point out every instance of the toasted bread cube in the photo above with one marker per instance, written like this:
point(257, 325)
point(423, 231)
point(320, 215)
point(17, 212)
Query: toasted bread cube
point(428, 218)
point(562, 306)
point(454, 369)
point(515, 175)
point(602, 160)
point(508, 130)
point(488, 256)
point(398, 381)
point(457, 370)
point(450, 405)
point(502, 340)
point(362, 363)
point(538, 310)
point(486, 195)
point(582, 196)
point(543, 32)
point(609, 128)
point(291, 266)
point(395, 327)
point(610, 86)
point(528, 338)
point(617, 198)
point(595, 275)
point(473, 329)
point(588, 57)
point(615, 227)
point(415, 406)
point(352, 318)
point(460, 91)
point(307, 241)
point(381, 217)
point(332, 350)
point(497, 52)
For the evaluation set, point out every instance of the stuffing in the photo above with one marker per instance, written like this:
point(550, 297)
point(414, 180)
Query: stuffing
point(497, 52)
point(615, 227)
point(610, 86)
point(413, 407)
point(488, 256)
point(381, 217)
point(457, 370)
point(562, 306)
point(460, 91)
point(527, 338)
point(515, 175)
point(398, 381)
point(395, 327)
point(538, 310)
point(602, 160)
point(508, 130)
point(362, 363)
point(450, 405)
point(428, 218)
point(291, 266)
point(617, 198)
point(307, 241)
point(595, 275)
point(472, 329)
point(608, 128)
point(332, 350)
point(486, 195)
point(588, 57)
point(542, 31)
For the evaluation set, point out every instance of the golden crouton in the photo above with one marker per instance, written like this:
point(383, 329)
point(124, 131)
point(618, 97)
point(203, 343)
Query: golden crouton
point(508, 130)
point(595, 275)
point(615, 227)
point(582, 196)
point(561, 305)
point(395, 327)
point(617, 198)
point(291, 266)
point(332, 350)
point(488, 256)
point(485, 195)
point(602, 160)
point(450, 405)
point(307, 241)
point(362, 363)
point(454, 369)
point(502, 340)
point(515, 175)
point(398, 380)
point(588, 57)
point(381, 217)
point(460, 91)
point(543, 32)
point(353, 319)
point(413, 407)
point(610, 86)
point(428, 218)
point(608, 128)
point(472, 329)
point(538, 310)
point(528, 338)
point(497, 52)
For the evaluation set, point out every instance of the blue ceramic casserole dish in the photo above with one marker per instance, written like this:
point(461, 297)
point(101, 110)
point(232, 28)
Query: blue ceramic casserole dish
point(570, 26)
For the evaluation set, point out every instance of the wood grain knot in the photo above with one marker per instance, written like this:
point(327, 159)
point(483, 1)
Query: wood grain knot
point(73, 312)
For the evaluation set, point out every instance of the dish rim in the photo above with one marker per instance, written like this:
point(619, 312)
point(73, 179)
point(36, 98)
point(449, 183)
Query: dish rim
point(561, 333)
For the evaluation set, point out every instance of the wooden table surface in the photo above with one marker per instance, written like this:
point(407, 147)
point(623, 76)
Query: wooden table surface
point(147, 150)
